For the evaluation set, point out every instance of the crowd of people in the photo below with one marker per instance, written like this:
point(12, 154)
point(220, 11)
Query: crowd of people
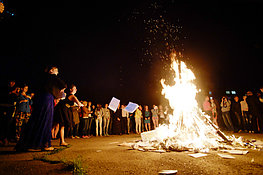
point(34, 120)
point(53, 113)
point(235, 113)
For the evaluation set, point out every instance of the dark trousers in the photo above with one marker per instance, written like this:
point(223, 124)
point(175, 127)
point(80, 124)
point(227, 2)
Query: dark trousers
point(124, 129)
point(84, 126)
point(89, 124)
point(132, 124)
point(75, 130)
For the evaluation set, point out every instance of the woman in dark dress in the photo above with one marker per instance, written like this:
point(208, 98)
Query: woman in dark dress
point(63, 116)
point(116, 125)
point(37, 133)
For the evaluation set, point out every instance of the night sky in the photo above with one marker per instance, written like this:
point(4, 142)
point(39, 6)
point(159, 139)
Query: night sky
point(99, 46)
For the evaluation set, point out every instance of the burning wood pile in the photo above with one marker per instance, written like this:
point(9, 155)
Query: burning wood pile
point(189, 129)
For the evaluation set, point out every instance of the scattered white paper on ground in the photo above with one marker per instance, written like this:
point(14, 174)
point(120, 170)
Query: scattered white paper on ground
point(140, 149)
point(159, 151)
point(98, 151)
point(131, 107)
point(226, 156)
point(114, 103)
point(236, 152)
point(149, 148)
point(168, 172)
point(197, 155)
point(126, 144)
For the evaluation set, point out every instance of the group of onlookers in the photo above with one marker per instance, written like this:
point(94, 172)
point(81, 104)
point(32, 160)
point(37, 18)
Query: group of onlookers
point(71, 118)
point(235, 114)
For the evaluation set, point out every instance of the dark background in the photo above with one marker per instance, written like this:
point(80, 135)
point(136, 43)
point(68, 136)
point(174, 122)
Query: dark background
point(97, 48)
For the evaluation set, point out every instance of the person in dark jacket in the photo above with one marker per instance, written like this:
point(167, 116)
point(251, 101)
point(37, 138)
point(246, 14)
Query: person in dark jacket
point(255, 110)
point(116, 125)
point(236, 110)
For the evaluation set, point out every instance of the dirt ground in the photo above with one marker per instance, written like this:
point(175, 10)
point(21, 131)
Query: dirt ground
point(102, 155)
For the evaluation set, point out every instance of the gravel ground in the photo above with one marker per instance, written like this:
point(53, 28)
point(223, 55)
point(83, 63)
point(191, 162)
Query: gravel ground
point(102, 155)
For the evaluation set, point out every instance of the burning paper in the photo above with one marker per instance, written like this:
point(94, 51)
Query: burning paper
point(131, 107)
point(114, 103)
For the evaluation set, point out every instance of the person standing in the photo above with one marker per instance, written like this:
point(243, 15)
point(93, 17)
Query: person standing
point(236, 109)
point(84, 120)
point(225, 108)
point(214, 112)
point(116, 125)
point(98, 116)
point(207, 106)
point(161, 115)
point(254, 108)
point(155, 117)
point(125, 115)
point(138, 117)
point(147, 118)
point(75, 105)
point(23, 110)
point(106, 120)
point(247, 117)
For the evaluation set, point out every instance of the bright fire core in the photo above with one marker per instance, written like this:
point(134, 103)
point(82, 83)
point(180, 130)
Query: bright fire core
point(189, 127)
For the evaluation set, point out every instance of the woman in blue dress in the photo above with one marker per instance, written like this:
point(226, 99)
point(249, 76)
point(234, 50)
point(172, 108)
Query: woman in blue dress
point(37, 133)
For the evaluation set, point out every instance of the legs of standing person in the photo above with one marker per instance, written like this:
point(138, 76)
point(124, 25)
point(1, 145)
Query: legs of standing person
point(137, 125)
point(90, 125)
point(55, 130)
point(107, 126)
point(62, 137)
point(246, 120)
point(19, 123)
point(84, 132)
point(146, 126)
point(142, 124)
point(76, 130)
point(239, 124)
point(254, 123)
point(97, 125)
point(104, 125)
point(128, 125)
point(100, 123)
point(110, 125)
point(154, 125)
point(227, 120)
point(124, 125)
point(149, 125)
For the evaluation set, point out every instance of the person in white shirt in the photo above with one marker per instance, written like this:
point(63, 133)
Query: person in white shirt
point(106, 120)
point(245, 114)
point(125, 115)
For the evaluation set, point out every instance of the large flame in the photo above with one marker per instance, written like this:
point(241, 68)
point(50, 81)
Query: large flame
point(188, 126)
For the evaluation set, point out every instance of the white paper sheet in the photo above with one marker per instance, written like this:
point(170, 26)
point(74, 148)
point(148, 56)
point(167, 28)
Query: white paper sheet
point(197, 155)
point(226, 156)
point(131, 107)
point(114, 103)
